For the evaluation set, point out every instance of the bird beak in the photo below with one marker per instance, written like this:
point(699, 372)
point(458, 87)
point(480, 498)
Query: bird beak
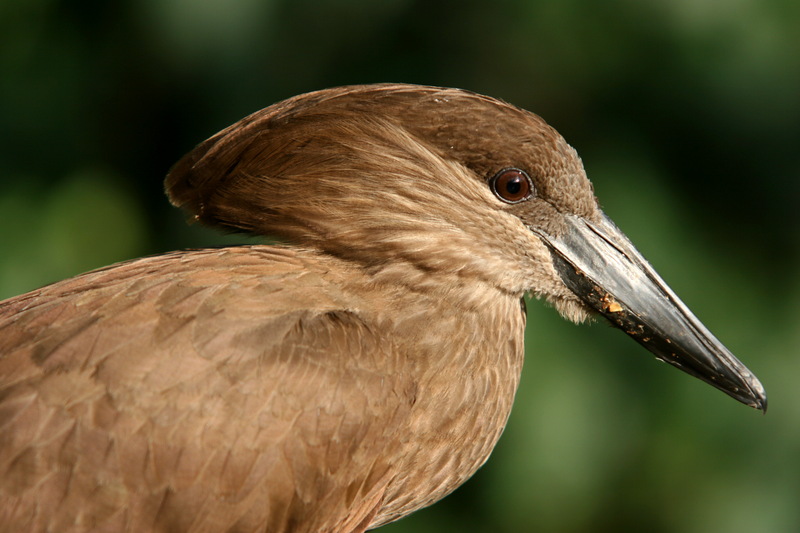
point(599, 264)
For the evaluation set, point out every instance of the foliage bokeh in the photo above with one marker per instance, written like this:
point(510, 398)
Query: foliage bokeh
point(687, 116)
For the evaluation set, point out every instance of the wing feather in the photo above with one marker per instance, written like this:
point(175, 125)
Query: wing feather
point(192, 392)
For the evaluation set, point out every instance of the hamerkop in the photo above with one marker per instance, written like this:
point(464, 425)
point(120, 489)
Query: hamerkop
point(359, 372)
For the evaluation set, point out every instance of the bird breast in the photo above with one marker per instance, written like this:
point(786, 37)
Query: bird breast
point(250, 385)
point(468, 368)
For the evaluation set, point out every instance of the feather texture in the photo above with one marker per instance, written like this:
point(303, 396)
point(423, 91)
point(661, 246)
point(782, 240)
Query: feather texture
point(362, 371)
point(240, 389)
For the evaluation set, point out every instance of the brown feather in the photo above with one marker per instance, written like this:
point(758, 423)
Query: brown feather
point(238, 389)
point(333, 385)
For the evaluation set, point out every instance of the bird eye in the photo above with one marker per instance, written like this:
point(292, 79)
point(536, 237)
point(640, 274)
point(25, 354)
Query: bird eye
point(512, 185)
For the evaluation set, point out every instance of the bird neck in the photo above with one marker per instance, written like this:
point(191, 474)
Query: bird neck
point(464, 341)
point(459, 290)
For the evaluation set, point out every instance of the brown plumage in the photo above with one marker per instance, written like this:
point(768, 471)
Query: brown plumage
point(341, 381)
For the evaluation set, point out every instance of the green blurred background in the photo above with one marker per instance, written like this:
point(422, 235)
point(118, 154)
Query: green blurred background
point(686, 114)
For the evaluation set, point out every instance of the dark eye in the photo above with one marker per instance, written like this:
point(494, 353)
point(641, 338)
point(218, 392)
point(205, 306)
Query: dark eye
point(512, 185)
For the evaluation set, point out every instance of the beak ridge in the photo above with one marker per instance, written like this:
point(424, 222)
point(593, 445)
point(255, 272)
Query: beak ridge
point(599, 264)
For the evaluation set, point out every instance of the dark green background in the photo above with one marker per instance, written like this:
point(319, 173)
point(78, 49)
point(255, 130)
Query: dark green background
point(686, 114)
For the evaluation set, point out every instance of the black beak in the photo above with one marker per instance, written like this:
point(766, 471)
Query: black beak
point(599, 264)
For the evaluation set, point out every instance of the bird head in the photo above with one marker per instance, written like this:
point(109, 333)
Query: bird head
point(423, 184)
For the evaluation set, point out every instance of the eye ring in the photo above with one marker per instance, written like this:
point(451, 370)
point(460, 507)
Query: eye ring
point(512, 185)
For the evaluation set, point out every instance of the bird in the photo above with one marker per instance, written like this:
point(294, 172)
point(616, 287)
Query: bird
point(360, 368)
